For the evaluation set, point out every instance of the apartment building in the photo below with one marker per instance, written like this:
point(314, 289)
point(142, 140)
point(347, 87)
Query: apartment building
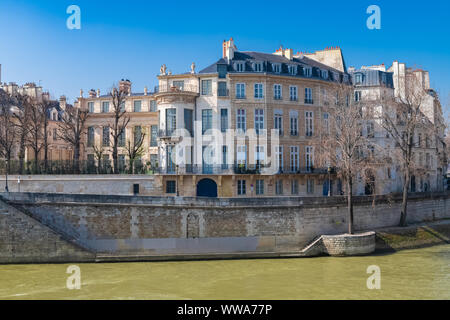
point(141, 108)
point(245, 125)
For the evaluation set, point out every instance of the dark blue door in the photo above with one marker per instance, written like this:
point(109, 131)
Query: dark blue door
point(207, 188)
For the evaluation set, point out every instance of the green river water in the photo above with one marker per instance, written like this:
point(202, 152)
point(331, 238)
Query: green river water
point(410, 274)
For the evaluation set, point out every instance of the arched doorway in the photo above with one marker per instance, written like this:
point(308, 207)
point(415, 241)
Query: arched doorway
point(207, 188)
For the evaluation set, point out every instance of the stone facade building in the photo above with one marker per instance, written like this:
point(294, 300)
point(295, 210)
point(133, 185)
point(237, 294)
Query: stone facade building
point(141, 108)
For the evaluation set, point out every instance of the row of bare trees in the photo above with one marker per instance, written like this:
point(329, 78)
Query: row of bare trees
point(356, 154)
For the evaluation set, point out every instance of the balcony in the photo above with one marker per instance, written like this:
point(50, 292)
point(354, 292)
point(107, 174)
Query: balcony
point(237, 169)
point(177, 89)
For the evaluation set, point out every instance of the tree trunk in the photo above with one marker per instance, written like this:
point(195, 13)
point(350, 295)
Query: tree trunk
point(404, 199)
point(115, 156)
point(76, 159)
point(350, 204)
point(22, 154)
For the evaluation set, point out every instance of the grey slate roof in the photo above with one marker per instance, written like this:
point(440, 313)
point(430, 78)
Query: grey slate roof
point(370, 78)
point(267, 59)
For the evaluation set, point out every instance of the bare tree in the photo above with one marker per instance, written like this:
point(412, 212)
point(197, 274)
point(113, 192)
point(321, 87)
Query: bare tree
point(36, 132)
point(22, 122)
point(402, 117)
point(44, 106)
point(135, 148)
point(7, 129)
point(119, 122)
point(72, 129)
point(344, 145)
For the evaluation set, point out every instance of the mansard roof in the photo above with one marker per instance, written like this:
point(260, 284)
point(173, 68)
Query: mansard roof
point(250, 57)
point(371, 78)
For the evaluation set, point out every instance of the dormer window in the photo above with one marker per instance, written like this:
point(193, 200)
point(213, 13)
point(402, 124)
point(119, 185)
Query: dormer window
point(324, 74)
point(307, 71)
point(239, 66)
point(292, 70)
point(335, 76)
point(276, 67)
point(358, 78)
point(345, 78)
point(258, 66)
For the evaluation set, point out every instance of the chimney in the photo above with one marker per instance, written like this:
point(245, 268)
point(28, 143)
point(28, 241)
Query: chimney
point(287, 53)
point(92, 93)
point(125, 85)
point(228, 49)
point(81, 93)
point(145, 91)
point(63, 102)
point(98, 93)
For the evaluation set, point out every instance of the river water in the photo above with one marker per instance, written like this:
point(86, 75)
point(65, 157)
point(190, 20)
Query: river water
point(410, 274)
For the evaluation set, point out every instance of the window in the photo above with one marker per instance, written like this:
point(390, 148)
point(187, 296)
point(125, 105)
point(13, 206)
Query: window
point(179, 84)
point(55, 134)
point(106, 136)
point(292, 70)
point(241, 187)
point(240, 90)
point(171, 121)
point(279, 157)
point(171, 186)
point(121, 141)
point(153, 106)
point(345, 78)
point(258, 67)
point(259, 187)
point(279, 187)
point(309, 123)
point(308, 96)
point(357, 96)
point(326, 123)
point(259, 120)
point(278, 121)
point(276, 67)
point(122, 107)
point(222, 89)
point(277, 93)
point(294, 187)
point(241, 124)
point(260, 156)
point(91, 107)
point(293, 93)
point(258, 90)
point(91, 136)
point(137, 106)
point(137, 134)
point(310, 186)
point(309, 157)
point(223, 120)
point(239, 66)
point(224, 157)
point(170, 154)
point(206, 120)
point(358, 78)
point(241, 156)
point(294, 160)
point(154, 136)
point(370, 130)
point(293, 120)
point(105, 106)
point(419, 140)
point(188, 124)
point(307, 71)
point(324, 74)
point(427, 142)
point(206, 87)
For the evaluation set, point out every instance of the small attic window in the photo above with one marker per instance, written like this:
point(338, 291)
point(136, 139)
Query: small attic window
point(239, 66)
point(307, 71)
point(258, 66)
point(324, 74)
point(276, 67)
point(358, 78)
point(292, 69)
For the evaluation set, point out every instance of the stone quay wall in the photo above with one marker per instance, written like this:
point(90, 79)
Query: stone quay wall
point(157, 226)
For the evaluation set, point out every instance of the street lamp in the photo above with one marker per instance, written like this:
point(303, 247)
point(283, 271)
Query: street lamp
point(6, 185)
point(329, 181)
point(177, 181)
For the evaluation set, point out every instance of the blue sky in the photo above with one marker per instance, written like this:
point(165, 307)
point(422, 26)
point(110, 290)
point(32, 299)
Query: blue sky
point(132, 39)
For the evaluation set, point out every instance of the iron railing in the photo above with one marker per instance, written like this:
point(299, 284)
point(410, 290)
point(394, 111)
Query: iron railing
point(175, 89)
